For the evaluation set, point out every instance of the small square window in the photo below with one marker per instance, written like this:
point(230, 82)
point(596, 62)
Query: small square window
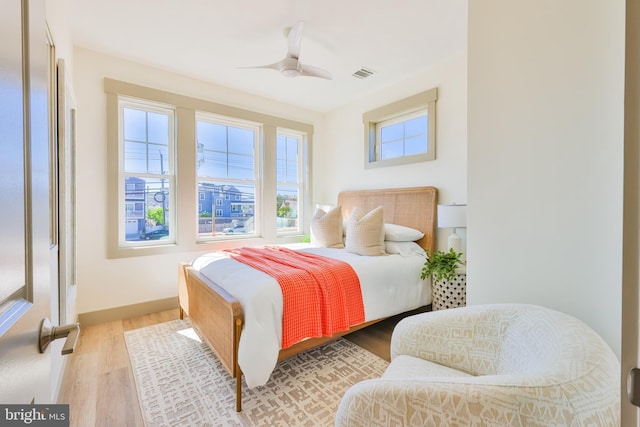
point(403, 136)
point(401, 132)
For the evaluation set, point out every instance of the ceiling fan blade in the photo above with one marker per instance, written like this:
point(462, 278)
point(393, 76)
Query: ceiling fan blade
point(311, 71)
point(275, 66)
point(295, 40)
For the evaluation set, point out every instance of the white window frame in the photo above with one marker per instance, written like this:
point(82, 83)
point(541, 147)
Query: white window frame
point(256, 181)
point(170, 176)
point(396, 111)
point(302, 138)
point(396, 120)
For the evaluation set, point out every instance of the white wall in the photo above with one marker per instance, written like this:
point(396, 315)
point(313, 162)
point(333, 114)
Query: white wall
point(338, 147)
point(546, 156)
point(107, 283)
point(339, 155)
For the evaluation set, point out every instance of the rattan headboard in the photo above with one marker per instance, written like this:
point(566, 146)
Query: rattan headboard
point(414, 207)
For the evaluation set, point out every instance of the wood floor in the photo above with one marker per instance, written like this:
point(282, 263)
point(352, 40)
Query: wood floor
point(98, 384)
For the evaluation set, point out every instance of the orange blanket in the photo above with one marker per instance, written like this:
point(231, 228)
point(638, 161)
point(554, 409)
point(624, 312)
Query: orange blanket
point(321, 296)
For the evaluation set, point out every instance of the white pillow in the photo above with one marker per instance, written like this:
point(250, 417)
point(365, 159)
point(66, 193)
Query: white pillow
point(400, 233)
point(326, 228)
point(404, 248)
point(365, 232)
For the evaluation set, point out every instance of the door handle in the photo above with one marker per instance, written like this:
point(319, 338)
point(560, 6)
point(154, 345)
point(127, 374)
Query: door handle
point(633, 386)
point(50, 333)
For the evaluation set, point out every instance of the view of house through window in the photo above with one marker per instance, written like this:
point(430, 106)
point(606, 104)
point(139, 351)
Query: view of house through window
point(226, 174)
point(187, 178)
point(148, 147)
point(288, 168)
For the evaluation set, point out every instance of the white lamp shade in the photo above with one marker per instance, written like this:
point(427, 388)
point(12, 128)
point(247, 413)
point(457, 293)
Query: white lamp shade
point(452, 216)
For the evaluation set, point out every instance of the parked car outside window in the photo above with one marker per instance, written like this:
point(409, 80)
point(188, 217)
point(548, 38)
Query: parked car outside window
point(154, 235)
point(238, 228)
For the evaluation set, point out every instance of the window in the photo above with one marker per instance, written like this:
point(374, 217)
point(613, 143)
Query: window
point(172, 159)
point(288, 161)
point(403, 136)
point(401, 132)
point(147, 178)
point(227, 171)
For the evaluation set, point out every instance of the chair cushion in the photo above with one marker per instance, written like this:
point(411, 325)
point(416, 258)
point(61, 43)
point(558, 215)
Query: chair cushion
point(404, 366)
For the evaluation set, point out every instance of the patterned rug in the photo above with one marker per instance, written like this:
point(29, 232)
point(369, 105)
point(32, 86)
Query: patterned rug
point(180, 381)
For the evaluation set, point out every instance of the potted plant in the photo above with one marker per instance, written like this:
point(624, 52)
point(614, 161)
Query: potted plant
point(442, 267)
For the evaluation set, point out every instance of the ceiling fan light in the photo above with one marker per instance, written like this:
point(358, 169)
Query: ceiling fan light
point(290, 72)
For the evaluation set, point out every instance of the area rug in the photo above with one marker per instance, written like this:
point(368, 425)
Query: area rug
point(180, 381)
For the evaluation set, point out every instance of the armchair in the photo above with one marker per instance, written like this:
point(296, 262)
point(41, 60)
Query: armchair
point(490, 365)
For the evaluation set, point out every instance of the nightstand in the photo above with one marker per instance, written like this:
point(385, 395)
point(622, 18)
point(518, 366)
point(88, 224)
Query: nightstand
point(450, 293)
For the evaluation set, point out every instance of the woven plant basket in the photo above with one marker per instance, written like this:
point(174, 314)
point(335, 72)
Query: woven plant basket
point(449, 293)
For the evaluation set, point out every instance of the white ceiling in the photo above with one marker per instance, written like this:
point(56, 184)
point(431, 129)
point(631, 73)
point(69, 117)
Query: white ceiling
point(210, 39)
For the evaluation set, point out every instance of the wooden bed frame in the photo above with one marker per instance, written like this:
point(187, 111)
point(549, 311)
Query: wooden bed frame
point(218, 316)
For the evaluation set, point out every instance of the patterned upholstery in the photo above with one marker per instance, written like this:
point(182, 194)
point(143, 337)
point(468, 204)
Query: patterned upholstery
point(490, 365)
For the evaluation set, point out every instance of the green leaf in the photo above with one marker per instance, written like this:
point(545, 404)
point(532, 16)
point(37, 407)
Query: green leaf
point(441, 265)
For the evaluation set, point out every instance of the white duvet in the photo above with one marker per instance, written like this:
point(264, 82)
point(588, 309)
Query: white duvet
point(390, 285)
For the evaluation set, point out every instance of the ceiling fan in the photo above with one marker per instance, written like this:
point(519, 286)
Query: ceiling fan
point(290, 65)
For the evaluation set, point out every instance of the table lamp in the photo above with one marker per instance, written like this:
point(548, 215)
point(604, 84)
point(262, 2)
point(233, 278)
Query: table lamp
point(453, 216)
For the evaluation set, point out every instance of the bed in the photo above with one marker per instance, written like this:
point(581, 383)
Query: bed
point(219, 316)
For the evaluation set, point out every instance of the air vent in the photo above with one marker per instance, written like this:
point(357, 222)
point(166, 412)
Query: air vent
point(363, 73)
